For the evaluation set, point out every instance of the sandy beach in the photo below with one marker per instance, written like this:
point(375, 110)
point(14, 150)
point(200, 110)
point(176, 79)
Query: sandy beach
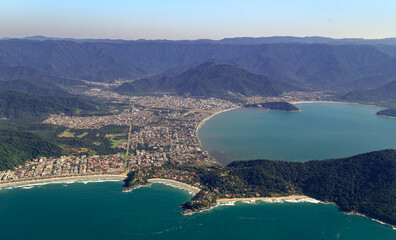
point(214, 114)
point(53, 179)
point(261, 198)
point(190, 188)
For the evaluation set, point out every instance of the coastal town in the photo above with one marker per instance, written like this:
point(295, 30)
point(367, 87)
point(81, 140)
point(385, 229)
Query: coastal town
point(166, 132)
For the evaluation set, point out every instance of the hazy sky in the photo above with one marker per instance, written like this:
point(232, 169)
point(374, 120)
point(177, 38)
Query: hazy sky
point(190, 19)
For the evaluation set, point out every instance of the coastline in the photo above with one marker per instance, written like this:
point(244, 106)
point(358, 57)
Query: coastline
point(207, 118)
point(372, 105)
point(192, 189)
point(373, 219)
point(262, 198)
point(59, 178)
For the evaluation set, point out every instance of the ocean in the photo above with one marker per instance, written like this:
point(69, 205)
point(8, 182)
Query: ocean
point(98, 209)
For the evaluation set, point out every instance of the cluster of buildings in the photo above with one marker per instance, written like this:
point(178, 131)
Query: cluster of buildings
point(167, 133)
point(291, 97)
point(65, 166)
point(174, 102)
point(95, 122)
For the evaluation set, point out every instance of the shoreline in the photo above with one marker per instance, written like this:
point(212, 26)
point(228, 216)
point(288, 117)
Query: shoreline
point(373, 219)
point(60, 178)
point(192, 189)
point(209, 117)
point(372, 105)
point(220, 200)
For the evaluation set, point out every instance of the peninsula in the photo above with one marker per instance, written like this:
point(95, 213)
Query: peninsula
point(363, 184)
point(387, 112)
point(284, 106)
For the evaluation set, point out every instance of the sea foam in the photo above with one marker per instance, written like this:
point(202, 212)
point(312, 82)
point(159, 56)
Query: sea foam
point(63, 182)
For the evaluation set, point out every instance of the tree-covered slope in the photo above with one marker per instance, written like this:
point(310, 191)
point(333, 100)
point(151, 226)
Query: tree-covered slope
point(210, 80)
point(17, 104)
point(365, 183)
point(16, 147)
point(9, 73)
point(383, 95)
point(40, 88)
point(388, 112)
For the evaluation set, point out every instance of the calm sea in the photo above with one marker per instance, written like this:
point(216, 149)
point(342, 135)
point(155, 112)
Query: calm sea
point(100, 210)
point(103, 211)
point(319, 131)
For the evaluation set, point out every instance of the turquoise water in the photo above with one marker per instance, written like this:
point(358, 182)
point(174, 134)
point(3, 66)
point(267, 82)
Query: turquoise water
point(318, 131)
point(103, 211)
point(86, 210)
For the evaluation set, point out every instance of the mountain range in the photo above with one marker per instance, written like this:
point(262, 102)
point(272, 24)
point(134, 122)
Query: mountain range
point(313, 63)
point(209, 79)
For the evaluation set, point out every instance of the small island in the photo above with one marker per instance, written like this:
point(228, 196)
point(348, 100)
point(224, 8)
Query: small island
point(283, 106)
point(390, 112)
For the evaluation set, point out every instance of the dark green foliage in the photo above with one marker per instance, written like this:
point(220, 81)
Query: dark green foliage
point(209, 80)
point(364, 183)
point(16, 104)
point(17, 147)
point(387, 112)
point(23, 73)
point(34, 87)
point(284, 106)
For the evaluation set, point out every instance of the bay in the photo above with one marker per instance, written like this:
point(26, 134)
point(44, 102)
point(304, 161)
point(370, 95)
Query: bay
point(319, 131)
point(86, 210)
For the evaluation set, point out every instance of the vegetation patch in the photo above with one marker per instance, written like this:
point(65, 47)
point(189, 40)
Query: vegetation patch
point(67, 134)
point(83, 135)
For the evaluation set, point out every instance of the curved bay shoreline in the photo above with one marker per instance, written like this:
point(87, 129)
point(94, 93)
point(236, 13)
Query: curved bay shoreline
point(189, 188)
point(292, 196)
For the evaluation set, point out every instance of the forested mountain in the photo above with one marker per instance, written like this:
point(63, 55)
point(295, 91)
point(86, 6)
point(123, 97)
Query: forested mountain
point(9, 73)
point(16, 147)
point(210, 80)
point(383, 95)
point(365, 183)
point(40, 88)
point(17, 104)
point(319, 66)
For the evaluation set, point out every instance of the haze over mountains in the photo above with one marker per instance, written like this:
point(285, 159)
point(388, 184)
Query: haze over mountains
point(313, 65)
point(245, 66)
point(210, 80)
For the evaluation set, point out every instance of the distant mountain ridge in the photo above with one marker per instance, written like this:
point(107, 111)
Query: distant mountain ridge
point(312, 64)
point(235, 40)
point(210, 79)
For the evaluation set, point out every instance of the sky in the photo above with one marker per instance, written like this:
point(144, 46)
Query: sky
point(197, 19)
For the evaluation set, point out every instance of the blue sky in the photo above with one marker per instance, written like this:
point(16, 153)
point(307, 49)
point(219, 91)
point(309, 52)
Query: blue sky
point(190, 19)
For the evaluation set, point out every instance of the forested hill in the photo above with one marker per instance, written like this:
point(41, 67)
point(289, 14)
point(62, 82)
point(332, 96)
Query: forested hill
point(210, 80)
point(17, 104)
point(385, 94)
point(34, 87)
point(365, 183)
point(16, 147)
point(283, 106)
